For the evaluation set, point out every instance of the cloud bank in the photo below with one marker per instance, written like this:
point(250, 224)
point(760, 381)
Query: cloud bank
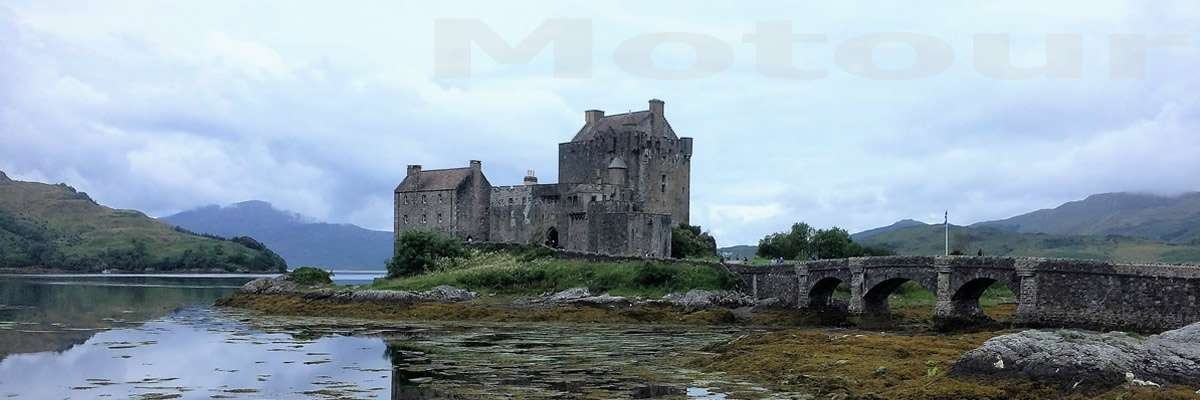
point(317, 109)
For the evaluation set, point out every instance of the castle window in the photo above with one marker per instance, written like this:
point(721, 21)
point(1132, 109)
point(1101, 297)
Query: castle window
point(440, 199)
point(439, 218)
point(424, 219)
point(593, 197)
point(510, 200)
point(406, 218)
point(424, 200)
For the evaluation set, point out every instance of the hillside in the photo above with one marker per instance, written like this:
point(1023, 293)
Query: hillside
point(1174, 219)
point(929, 240)
point(298, 240)
point(904, 223)
point(738, 252)
point(55, 226)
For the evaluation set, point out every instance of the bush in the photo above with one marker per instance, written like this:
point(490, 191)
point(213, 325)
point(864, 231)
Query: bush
point(803, 242)
point(691, 241)
point(416, 251)
point(311, 276)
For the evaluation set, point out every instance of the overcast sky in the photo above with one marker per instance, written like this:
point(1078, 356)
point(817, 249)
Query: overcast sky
point(318, 107)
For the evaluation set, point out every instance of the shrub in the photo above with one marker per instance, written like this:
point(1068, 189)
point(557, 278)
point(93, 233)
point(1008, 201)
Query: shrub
point(691, 241)
point(656, 275)
point(311, 276)
point(416, 251)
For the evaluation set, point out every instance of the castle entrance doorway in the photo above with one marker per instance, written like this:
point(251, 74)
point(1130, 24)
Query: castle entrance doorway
point(552, 237)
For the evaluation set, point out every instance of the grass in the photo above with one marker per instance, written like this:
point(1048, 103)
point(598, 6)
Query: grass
point(499, 272)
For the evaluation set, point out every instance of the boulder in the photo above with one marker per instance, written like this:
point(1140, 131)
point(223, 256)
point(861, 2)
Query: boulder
point(1087, 360)
point(697, 298)
point(568, 295)
point(449, 294)
point(582, 296)
point(275, 285)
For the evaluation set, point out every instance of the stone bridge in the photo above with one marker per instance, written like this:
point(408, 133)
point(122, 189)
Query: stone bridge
point(1049, 292)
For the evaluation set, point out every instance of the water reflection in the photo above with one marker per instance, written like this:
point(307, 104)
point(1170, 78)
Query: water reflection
point(53, 313)
point(86, 340)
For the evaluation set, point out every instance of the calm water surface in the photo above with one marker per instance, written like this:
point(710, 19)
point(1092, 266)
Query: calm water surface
point(159, 338)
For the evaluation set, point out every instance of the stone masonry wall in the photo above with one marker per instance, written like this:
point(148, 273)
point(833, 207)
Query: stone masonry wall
point(1050, 292)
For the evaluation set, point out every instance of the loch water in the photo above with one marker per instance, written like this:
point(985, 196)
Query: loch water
point(156, 337)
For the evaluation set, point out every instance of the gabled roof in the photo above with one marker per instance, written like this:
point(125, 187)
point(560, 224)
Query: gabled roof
point(435, 179)
point(637, 120)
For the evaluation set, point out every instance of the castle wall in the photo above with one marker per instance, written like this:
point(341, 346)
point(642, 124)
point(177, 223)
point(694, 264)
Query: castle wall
point(472, 208)
point(659, 170)
point(630, 234)
point(523, 214)
point(427, 210)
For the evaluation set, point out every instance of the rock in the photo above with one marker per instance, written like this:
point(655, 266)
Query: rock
point(697, 298)
point(601, 300)
point(567, 295)
point(282, 285)
point(449, 294)
point(276, 285)
point(582, 296)
point(1076, 359)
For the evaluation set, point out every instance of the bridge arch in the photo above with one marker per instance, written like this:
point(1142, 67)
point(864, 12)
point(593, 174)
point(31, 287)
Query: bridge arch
point(875, 299)
point(820, 296)
point(880, 282)
point(967, 284)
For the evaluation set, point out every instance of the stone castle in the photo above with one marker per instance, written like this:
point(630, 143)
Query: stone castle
point(623, 182)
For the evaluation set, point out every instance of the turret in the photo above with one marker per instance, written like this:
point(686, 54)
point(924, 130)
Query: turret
point(617, 172)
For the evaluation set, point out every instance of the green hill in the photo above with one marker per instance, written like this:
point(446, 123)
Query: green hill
point(1174, 219)
point(57, 227)
point(993, 241)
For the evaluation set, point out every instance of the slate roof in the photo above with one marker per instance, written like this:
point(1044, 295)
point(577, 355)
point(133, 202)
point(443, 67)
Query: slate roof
point(637, 120)
point(435, 179)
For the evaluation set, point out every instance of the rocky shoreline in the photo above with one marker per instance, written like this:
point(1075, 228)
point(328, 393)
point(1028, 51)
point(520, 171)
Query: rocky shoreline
point(800, 352)
point(692, 300)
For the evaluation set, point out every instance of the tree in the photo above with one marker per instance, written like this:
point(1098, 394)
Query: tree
point(417, 250)
point(691, 241)
point(803, 242)
point(789, 245)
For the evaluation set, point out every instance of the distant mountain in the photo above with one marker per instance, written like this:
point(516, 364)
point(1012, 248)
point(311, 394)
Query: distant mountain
point(738, 252)
point(904, 223)
point(992, 241)
point(1173, 219)
point(57, 227)
point(297, 238)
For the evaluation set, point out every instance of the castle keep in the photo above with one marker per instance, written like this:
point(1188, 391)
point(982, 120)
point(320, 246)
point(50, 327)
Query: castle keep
point(623, 182)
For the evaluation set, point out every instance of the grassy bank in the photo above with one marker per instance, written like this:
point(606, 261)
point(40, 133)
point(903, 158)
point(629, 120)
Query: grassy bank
point(509, 273)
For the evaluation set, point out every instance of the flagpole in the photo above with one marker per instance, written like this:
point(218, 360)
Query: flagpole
point(947, 225)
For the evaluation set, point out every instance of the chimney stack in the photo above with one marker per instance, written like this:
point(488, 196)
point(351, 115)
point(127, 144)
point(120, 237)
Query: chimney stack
point(414, 170)
point(476, 166)
point(592, 116)
point(530, 178)
point(656, 107)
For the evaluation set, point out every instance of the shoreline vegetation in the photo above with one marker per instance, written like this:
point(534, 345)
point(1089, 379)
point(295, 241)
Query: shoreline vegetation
point(825, 354)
